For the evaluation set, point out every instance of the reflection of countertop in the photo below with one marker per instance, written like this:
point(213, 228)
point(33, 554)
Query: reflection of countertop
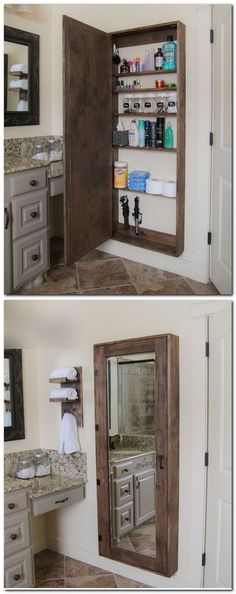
point(13, 164)
point(118, 455)
point(46, 485)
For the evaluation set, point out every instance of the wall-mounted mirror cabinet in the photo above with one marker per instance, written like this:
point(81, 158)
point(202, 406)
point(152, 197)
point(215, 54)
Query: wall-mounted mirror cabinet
point(21, 77)
point(13, 395)
point(137, 450)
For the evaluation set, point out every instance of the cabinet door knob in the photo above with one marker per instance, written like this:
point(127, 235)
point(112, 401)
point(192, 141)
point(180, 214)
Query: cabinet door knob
point(6, 218)
point(33, 182)
point(11, 505)
point(34, 214)
point(17, 577)
point(34, 257)
point(137, 483)
point(13, 536)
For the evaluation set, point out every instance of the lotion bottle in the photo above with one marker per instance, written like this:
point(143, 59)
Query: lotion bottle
point(169, 137)
point(133, 134)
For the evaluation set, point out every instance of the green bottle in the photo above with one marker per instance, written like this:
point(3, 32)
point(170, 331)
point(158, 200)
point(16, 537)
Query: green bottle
point(169, 137)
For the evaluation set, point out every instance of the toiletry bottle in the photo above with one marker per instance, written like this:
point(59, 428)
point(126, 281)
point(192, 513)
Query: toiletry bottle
point(169, 138)
point(141, 133)
point(160, 127)
point(158, 59)
point(133, 134)
point(169, 54)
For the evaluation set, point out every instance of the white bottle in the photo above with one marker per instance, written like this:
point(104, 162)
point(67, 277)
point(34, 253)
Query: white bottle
point(133, 134)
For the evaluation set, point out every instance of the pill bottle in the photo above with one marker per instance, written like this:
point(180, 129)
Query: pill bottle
point(120, 174)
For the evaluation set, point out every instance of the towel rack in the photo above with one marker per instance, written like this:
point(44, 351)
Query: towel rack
point(75, 407)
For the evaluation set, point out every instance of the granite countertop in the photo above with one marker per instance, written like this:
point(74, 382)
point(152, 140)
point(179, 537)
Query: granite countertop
point(46, 485)
point(13, 164)
point(118, 455)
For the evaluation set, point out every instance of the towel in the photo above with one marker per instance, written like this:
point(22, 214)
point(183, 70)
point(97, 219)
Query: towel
point(19, 68)
point(22, 105)
point(19, 84)
point(69, 373)
point(68, 439)
point(69, 393)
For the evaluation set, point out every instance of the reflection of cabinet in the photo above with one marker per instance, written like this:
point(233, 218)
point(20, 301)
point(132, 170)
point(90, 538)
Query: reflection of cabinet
point(132, 496)
point(19, 564)
point(26, 226)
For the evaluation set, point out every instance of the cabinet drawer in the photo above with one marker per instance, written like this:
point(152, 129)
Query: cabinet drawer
point(30, 257)
point(124, 519)
point(29, 213)
point(16, 532)
point(123, 469)
point(42, 505)
point(56, 185)
point(123, 490)
point(18, 570)
point(15, 501)
point(26, 181)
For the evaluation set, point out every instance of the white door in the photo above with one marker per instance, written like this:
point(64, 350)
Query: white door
point(219, 487)
point(221, 193)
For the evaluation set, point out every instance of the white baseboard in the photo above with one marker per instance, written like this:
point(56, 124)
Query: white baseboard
point(39, 543)
point(146, 577)
point(191, 266)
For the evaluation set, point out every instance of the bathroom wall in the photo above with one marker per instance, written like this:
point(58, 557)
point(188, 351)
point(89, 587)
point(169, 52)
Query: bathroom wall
point(78, 326)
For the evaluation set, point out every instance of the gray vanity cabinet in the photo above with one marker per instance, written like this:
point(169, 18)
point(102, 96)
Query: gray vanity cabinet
point(26, 226)
point(144, 504)
point(18, 562)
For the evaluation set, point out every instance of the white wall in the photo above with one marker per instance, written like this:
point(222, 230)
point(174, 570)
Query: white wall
point(77, 327)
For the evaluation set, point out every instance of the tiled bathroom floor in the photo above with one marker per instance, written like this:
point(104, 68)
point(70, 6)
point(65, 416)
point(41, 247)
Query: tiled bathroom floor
point(99, 273)
point(53, 570)
point(141, 540)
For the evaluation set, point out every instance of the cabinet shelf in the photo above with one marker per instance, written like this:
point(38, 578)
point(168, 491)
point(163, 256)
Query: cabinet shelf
point(147, 90)
point(163, 114)
point(145, 148)
point(145, 73)
point(144, 193)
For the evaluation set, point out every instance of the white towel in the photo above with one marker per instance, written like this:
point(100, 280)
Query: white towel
point(68, 372)
point(7, 395)
point(69, 393)
point(19, 84)
point(19, 68)
point(22, 105)
point(68, 439)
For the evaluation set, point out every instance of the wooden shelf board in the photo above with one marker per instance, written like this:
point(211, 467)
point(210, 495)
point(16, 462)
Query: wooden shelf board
point(144, 193)
point(18, 90)
point(163, 114)
point(144, 73)
point(19, 73)
point(63, 400)
point(145, 148)
point(147, 239)
point(148, 90)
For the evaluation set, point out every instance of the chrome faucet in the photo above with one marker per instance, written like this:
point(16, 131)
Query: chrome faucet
point(113, 441)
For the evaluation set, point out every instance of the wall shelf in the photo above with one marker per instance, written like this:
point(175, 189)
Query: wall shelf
point(145, 73)
point(163, 114)
point(144, 193)
point(148, 90)
point(74, 407)
point(145, 148)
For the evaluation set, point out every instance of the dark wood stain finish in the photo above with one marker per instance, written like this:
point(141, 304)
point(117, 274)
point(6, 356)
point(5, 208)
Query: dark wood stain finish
point(167, 448)
point(17, 428)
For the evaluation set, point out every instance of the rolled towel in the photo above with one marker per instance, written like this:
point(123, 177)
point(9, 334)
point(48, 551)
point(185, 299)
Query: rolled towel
point(7, 395)
point(6, 379)
point(19, 84)
point(19, 68)
point(69, 393)
point(22, 105)
point(68, 439)
point(68, 373)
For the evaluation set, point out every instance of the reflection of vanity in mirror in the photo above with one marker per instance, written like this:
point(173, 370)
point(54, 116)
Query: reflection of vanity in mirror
point(136, 395)
point(13, 395)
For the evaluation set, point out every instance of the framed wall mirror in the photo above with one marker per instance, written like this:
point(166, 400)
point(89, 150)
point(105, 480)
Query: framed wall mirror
point(137, 451)
point(21, 77)
point(13, 395)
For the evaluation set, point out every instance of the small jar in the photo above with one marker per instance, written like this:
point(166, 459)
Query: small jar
point(40, 151)
point(54, 149)
point(25, 468)
point(42, 464)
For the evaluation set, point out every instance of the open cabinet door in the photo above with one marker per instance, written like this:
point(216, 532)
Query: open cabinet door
point(88, 137)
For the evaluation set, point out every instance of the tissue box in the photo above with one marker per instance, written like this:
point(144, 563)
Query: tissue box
point(120, 137)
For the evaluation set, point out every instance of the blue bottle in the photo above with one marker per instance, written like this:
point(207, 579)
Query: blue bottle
point(141, 133)
point(169, 54)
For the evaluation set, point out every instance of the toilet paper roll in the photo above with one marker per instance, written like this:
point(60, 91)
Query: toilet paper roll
point(169, 189)
point(154, 186)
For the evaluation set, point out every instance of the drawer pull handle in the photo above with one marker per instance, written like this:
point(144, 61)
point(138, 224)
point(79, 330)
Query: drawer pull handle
point(34, 214)
point(124, 490)
point(33, 182)
point(17, 577)
point(137, 483)
point(6, 218)
point(125, 470)
point(62, 500)
point(14, 536)
point(34, 257)
point(11, 505)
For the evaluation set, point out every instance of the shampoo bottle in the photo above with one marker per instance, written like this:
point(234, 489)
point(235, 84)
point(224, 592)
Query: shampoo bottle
point(133, 134)
point(169, 137)
point(141, 133)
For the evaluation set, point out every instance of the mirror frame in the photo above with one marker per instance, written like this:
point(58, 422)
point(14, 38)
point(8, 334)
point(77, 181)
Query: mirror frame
point(31, 117)
point(17, 429)
point(166, 395)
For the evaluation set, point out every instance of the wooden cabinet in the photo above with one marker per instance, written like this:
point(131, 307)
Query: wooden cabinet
point(91, 113)
point(18, 553)
point(26, 227)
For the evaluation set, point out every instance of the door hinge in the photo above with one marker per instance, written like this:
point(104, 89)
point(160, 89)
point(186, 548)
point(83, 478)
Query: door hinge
point(98, 482)
point(211, 138)
point(207, 349)
point(209, 237)
point(96, 427)
point(100, 537)
point(206, 459)
point(203, 559)
point(211, 35)
point(95, 372)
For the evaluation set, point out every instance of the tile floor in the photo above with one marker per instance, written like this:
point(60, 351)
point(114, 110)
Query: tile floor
point(141, 540)
point(99, 273)
point(53, 570)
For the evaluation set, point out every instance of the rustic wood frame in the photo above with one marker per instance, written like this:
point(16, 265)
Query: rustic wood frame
point(17, 429)
point(166, 348)
point(30, 117)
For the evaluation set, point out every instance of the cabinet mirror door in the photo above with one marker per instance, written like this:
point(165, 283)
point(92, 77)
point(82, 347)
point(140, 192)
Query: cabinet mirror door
point(13, 395)
point(136, 395)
